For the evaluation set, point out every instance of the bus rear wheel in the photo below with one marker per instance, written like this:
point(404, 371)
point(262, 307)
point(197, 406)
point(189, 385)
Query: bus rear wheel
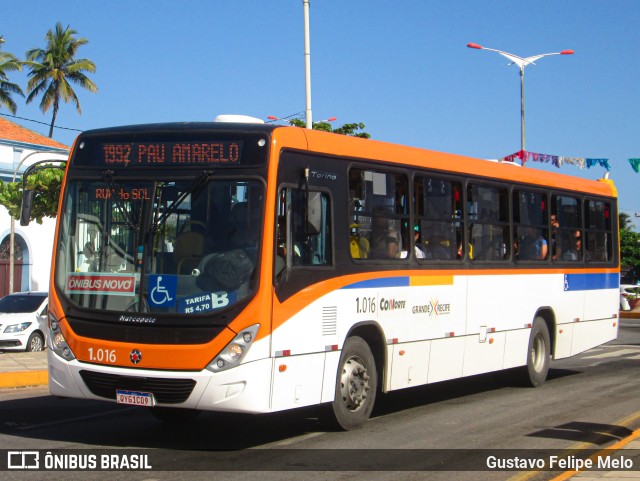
point(356, 385)
point(538, 354)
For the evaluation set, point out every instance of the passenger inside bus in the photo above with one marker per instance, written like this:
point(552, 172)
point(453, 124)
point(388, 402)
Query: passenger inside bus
point(419, 253)
point(358, 244)
point(532, 246)
point(574, 253)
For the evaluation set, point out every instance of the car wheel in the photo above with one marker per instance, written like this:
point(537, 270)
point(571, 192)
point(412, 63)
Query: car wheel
point(35, 343)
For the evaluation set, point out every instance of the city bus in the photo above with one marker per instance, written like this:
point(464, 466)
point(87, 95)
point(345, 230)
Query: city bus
point(254, 268)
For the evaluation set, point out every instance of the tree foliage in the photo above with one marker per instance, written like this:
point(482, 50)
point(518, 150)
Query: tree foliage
point(45, 183)
point(629, 248)
point(347, 129)
point(8, 63)
point(54, 68)
point(629, 242)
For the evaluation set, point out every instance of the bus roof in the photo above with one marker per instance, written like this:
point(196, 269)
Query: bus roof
point(341, 145)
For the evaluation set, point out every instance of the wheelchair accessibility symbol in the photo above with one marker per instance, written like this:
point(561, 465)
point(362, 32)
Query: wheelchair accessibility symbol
point(162, 290)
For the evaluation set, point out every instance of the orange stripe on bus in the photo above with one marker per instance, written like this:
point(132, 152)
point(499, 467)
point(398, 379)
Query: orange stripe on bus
point(431, 280)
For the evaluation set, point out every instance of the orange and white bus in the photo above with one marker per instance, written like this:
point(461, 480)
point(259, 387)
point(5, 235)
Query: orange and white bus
point(257, 268)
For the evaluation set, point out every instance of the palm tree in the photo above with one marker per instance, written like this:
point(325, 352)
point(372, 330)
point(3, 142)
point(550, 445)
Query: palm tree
point(8, 63)
point(54, 67)
point(624, 220)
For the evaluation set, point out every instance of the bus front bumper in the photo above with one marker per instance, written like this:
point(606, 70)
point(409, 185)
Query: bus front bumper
point(245, 388)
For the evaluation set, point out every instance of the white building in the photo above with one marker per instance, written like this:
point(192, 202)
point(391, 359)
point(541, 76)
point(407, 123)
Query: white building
point(19, 148)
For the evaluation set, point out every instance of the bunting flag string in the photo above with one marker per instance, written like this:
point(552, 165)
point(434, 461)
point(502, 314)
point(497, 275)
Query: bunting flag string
point(559, 160)
point(635, 165)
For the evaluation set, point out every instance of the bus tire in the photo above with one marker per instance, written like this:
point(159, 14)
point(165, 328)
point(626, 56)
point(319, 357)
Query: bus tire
point(538, 354)
point(356, 385)
point(174, 415)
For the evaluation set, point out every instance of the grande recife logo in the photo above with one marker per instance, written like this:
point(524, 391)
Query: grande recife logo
point(112, 284)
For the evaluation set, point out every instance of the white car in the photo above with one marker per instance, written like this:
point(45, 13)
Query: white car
point(23, 321)
point(628, 291)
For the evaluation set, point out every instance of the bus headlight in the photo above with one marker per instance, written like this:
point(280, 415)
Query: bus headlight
point(58, 342)
point(235, 351)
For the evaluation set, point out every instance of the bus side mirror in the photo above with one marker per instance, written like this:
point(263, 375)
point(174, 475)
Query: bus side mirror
point(313, 213)
point(25, 208)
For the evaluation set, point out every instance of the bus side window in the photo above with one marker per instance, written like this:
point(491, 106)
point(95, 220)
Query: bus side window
point(379, 213)
point(530, 221)
point(568, 228)
point(438, 219)
point(598, 231)
point(296, 245)
point(488, 213)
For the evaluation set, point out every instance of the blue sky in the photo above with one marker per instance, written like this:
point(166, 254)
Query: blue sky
point(400, 67)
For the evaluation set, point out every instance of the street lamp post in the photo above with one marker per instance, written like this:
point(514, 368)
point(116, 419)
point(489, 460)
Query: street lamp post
point(307, 64)
point(521, 63)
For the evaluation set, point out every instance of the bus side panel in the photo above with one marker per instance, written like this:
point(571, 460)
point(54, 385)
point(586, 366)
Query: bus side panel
point(331, 361)
point(515, 352)
point(590, 334)
point(602, 304)
point(503, 302)
point(446, 359)
point(409, 364)
point(563, 340)
point(484, 353)
point(600, 291)
point(437, 308)
point(297, 381)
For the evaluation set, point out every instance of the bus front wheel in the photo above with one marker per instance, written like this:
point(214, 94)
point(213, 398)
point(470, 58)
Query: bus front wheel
point(356, 384)
point(538, 354)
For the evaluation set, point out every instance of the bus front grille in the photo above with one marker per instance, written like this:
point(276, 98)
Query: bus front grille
point(144, 334)
point(164, 390)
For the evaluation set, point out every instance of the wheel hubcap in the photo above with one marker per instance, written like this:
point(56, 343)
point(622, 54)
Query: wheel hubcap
point(36, 344)
point(354, 383)
point(538, 353)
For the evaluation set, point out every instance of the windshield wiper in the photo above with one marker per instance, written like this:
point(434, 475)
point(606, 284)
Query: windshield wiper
point(194, 188)
point(107, 176)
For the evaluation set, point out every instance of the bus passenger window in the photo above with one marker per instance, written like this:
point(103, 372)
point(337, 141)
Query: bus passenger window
point(567, 229)
point(598, 231)
point(379, 216)
point(438, 219)
point(531, 233)
point(488, 213)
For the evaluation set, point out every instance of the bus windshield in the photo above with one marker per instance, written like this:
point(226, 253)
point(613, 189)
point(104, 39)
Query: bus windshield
point(175, 247)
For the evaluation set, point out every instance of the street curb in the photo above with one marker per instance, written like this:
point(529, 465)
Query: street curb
point(24, 378)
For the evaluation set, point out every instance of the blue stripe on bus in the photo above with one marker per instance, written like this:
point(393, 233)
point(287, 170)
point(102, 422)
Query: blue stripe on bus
point(402, 281)
point(591, 282)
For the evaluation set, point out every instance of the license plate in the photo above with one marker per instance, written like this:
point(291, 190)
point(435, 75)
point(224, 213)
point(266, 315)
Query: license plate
point(135, 398)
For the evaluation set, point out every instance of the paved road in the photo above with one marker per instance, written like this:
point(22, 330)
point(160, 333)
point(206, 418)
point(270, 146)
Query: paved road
point(589, 401)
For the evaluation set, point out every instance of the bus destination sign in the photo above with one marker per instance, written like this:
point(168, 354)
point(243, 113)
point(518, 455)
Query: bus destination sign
point(172, 154)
